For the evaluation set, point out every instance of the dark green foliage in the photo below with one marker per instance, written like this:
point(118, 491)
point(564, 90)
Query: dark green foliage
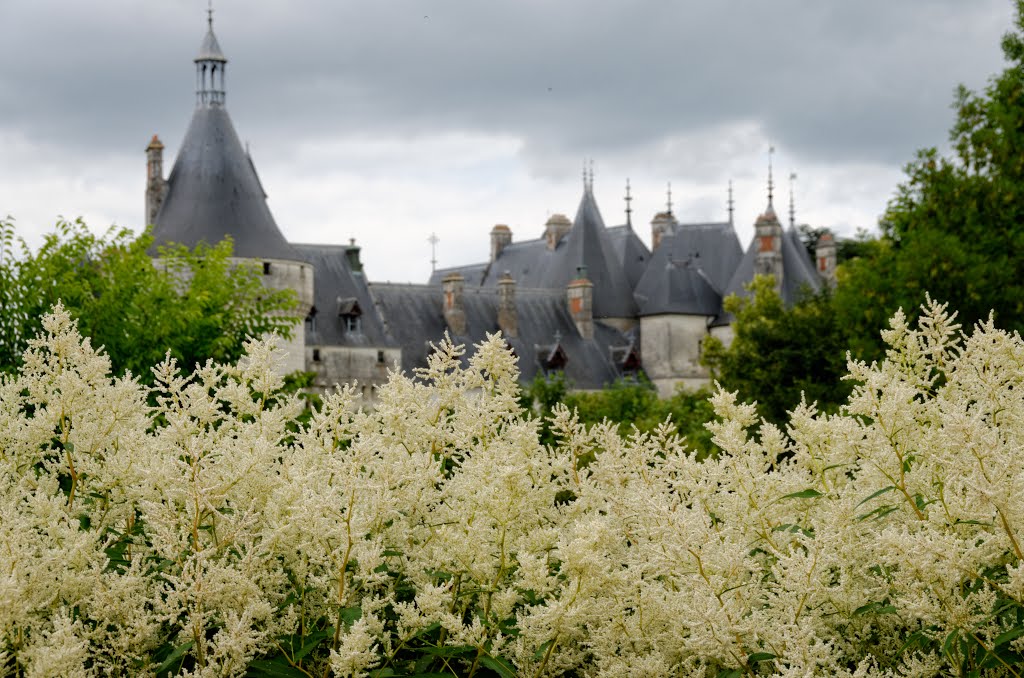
point(778, 354)
point(628, 403)
point(955, 227)
point(197, 304)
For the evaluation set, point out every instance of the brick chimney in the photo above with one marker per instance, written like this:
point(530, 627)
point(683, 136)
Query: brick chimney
point(501, 237)
point(508, 319)
point(768, 240)
point(825, 255)
point(156, 187)
point(452, 286)
point(580, 295)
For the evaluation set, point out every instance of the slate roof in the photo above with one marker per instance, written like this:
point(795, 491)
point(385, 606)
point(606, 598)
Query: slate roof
point(210, 50)
point(337, 288)
point(415, 318)
point(689, 270)
point(587, 245)
point(631, 252)
point(798, 272)
point(213, 191)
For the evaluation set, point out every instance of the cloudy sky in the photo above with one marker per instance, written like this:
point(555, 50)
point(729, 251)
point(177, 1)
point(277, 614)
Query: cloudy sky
point(389, 120)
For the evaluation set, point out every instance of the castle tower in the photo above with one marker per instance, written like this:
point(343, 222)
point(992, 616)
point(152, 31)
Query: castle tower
point(213, 192)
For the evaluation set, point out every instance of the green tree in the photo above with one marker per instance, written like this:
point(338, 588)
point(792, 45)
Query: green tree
point(955, 227)
point(198, 304)
point(779, 353)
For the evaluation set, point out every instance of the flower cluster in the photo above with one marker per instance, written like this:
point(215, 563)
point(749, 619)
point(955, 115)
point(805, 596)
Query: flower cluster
point(195, 528)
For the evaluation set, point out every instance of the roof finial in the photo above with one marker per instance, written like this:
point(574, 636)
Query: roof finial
point(433, 240)
point(730, 202)
point(584, 174)
point(209, 14)
point(591, 184)
point(669, 201)
point(792, 209)
point(629, 207)
point(771, 151)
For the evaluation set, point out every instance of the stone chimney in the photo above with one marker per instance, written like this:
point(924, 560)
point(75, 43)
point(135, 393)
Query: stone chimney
point(501, 237)
point(825, 254)
point(156, 187)
point(768, 240)
point(580, 295)
point(352, 256)
point(508, 319)
point(662, 224)
point(555, 229)
point(452, 286)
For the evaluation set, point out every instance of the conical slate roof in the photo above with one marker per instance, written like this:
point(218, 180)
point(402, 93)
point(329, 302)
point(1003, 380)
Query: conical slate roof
point(588, 248)
point(210, 50)
point(213, 192)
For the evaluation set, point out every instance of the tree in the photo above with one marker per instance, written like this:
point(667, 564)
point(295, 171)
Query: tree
point(955, 227)
point(778, 354)
point(198, 304)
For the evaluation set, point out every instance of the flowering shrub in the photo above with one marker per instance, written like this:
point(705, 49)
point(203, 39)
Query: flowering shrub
point(195, 530)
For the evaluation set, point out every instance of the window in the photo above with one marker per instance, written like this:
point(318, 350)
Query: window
point(352, 325)
point(316, 355)
point(380, 357)
point(266, 268)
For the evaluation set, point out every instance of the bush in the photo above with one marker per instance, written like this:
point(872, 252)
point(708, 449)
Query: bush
point(436, 536)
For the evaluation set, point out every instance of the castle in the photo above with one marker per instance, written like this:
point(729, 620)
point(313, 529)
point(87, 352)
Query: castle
point(585, 299)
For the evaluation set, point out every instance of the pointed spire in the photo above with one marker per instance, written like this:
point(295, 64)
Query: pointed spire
point(792, 208)
point(669, 200)
point(210, 65)
point(730, 203)
point(629, 207)
point(771, 152)
point(590, 185)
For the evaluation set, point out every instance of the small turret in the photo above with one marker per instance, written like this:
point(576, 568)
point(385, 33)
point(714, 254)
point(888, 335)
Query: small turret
point(452, 287)
point(210, 66)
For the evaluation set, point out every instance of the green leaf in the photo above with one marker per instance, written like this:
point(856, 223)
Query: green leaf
point(874, 608)
point(499, 665)
point(449, 650)
point(1006, 637)
point(175, 657)
point(876, 494)
point(760, 657)
point(809, 493)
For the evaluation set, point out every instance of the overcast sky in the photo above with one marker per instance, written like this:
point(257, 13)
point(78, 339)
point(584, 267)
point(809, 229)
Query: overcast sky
point(389, 120)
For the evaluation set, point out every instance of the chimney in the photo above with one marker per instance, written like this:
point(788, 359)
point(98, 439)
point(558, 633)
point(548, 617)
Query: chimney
point(555, 229)
point(825, 254)
point(156, 187)
point(501, 237)
point(454, 306)
point(508, 320)
point(662, 224)
point(580, 295)
point(352, 256)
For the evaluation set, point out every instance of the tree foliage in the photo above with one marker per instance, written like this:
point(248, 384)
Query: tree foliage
point(777, 354)
point(198, 304)
point(956, 224)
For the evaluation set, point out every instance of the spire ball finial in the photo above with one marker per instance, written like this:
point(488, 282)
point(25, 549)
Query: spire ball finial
point(771, 152)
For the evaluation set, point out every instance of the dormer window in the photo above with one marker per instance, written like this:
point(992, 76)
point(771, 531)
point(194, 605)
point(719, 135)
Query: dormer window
point(350, 315)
